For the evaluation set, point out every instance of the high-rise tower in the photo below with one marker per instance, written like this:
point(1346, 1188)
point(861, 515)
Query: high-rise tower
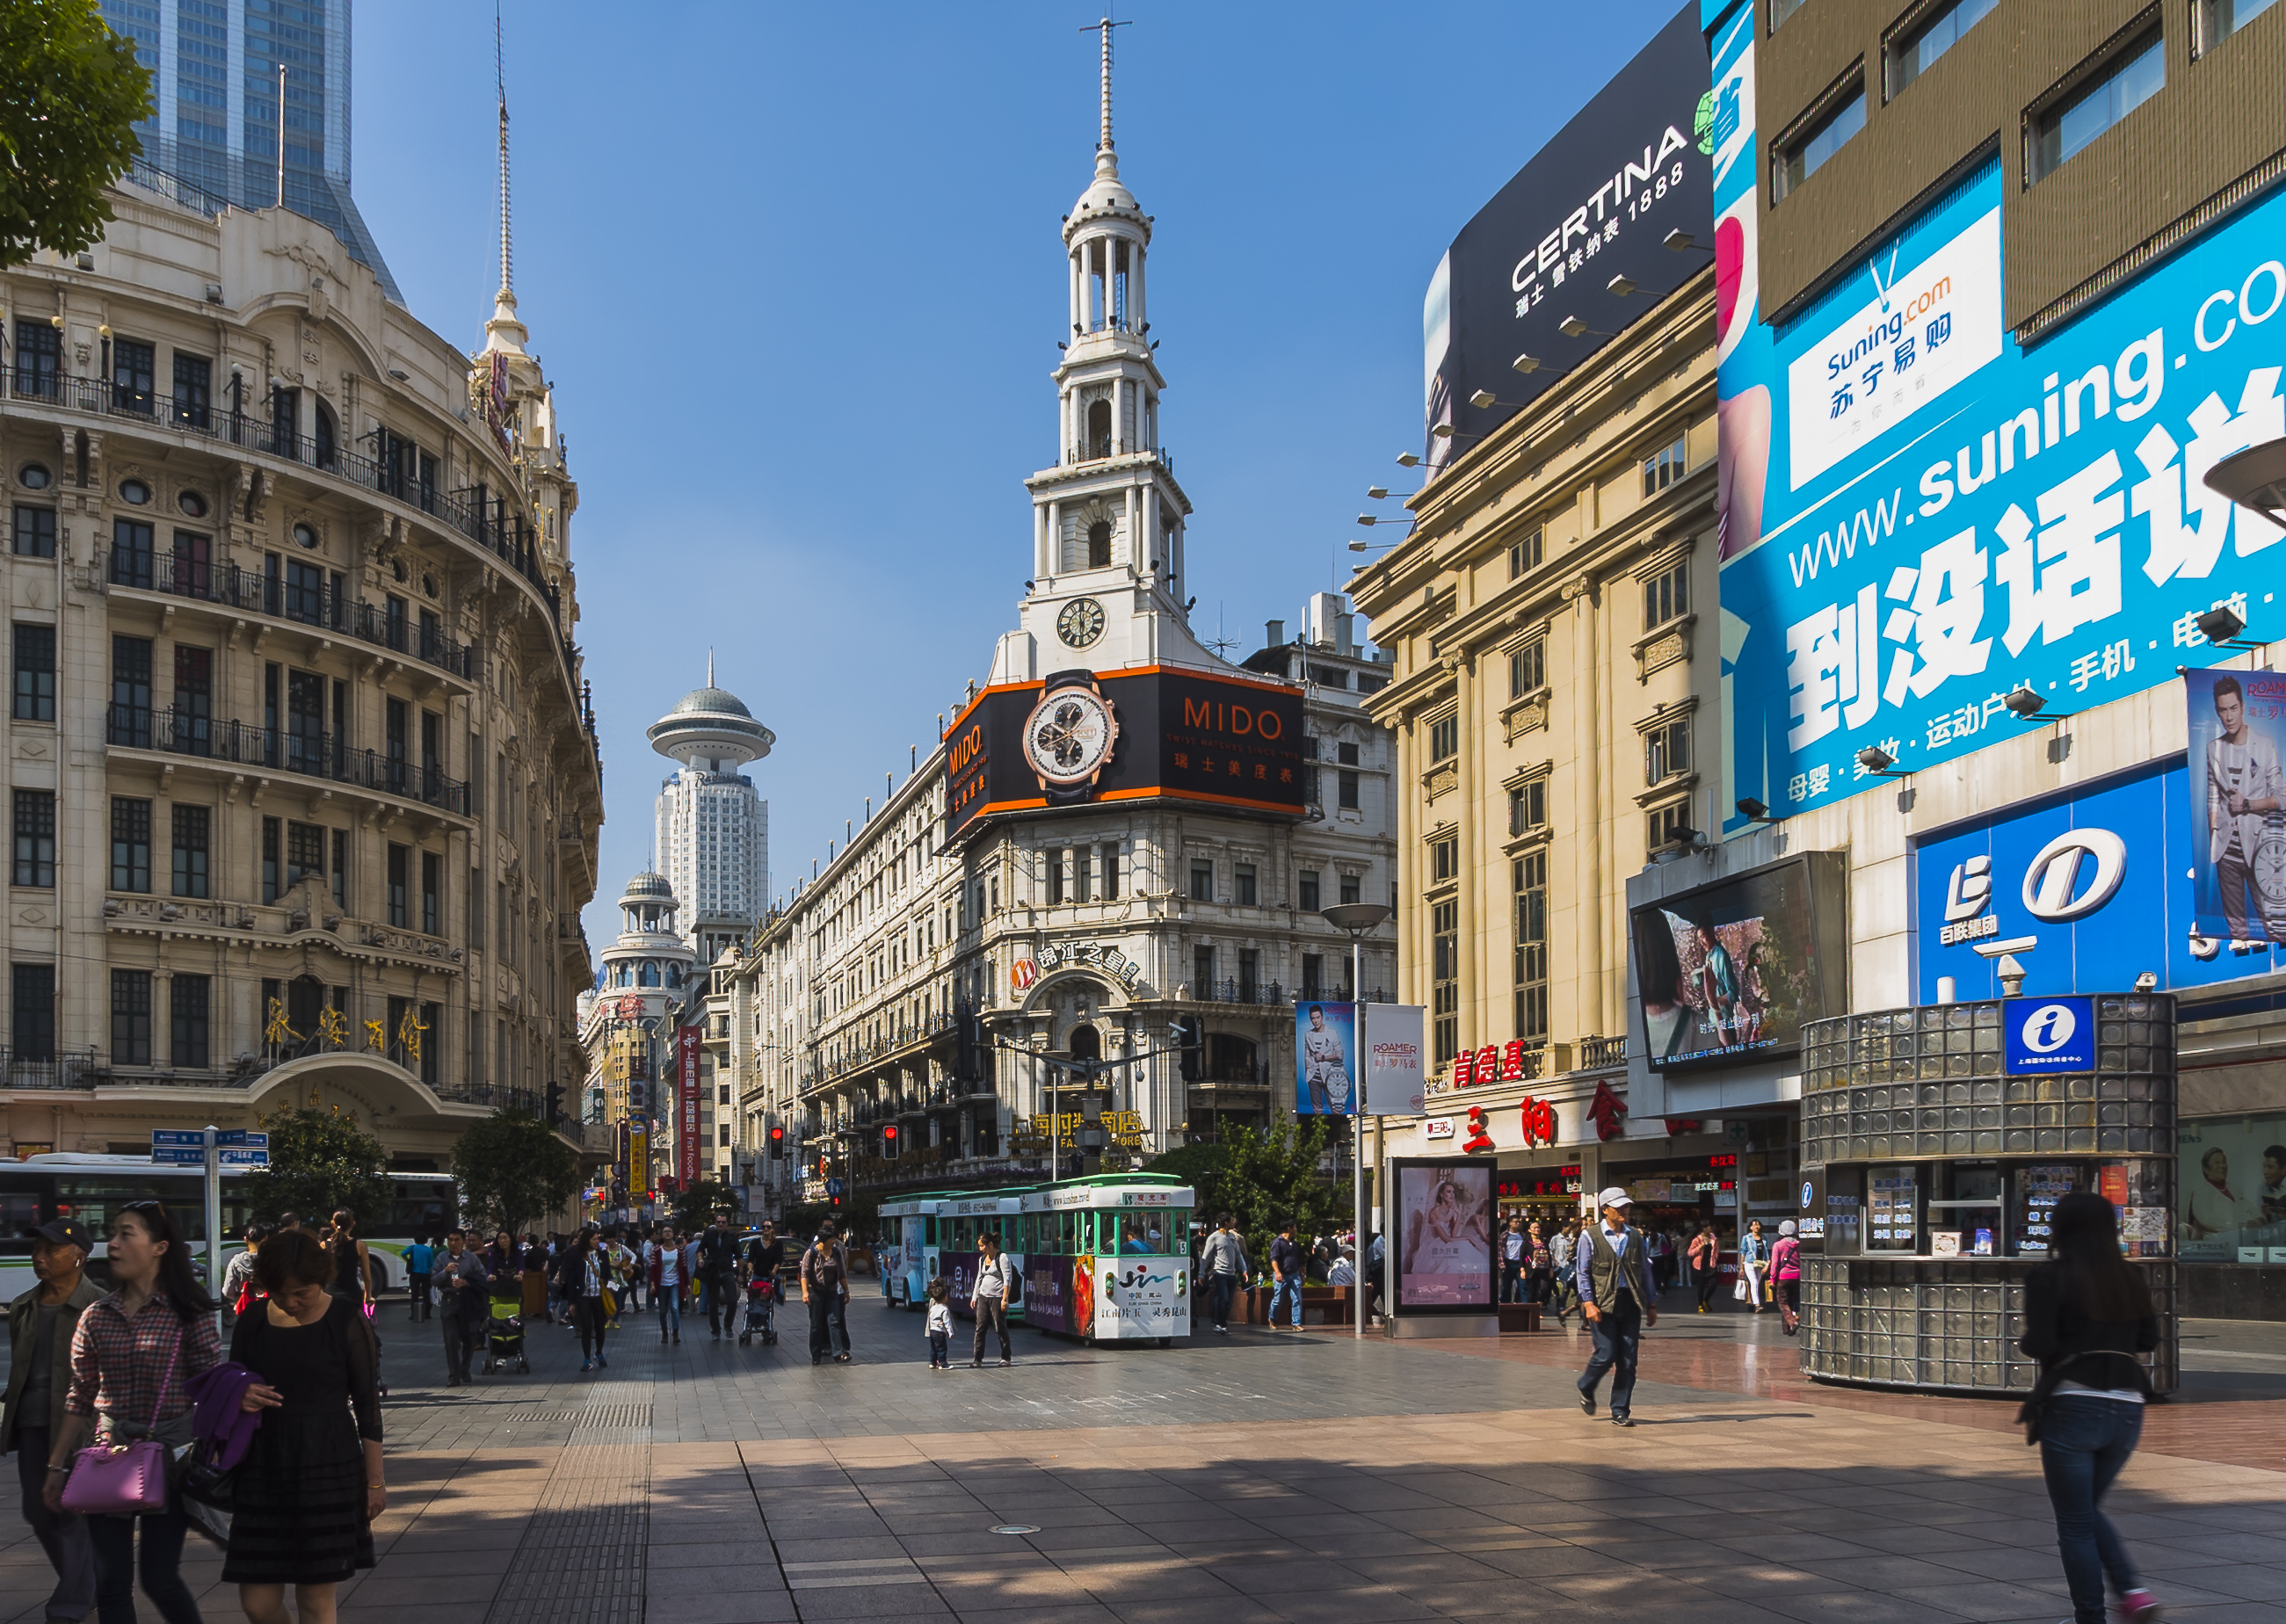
point(212, 136)
point(1107, 586)
point(713, 829)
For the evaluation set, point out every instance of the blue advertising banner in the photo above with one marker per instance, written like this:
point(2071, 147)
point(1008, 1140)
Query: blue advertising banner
point(2049, 1034)
point(2086, 892)
point(1919, 514)
point(2237, 804)
point(1325, 1038)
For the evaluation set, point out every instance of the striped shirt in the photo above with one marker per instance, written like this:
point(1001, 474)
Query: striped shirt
point(118, 1364)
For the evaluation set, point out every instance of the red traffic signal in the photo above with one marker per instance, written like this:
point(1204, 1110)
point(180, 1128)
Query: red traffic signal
point(889, 1133)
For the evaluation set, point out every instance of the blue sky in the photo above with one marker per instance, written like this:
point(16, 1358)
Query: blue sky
point(795, 274)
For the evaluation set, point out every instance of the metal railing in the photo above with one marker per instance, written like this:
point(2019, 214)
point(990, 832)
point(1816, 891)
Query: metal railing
point(59, 1068)
point(1100, 450)
point(1240, 991)
point(318, 754)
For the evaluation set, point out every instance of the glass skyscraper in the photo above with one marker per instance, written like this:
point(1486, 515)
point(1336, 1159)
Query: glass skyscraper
point(212, 137)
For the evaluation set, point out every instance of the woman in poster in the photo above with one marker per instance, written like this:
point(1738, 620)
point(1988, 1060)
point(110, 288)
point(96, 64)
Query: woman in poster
point(1453, 1236)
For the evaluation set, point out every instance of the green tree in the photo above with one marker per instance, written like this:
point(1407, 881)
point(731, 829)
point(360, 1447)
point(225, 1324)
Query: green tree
point(1263, 1179)
point(513, 1170)
point(319, 1162)
point(74, 93)
point(696, 1204)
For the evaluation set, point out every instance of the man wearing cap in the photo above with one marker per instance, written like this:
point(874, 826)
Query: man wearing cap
point(40, 1327)
point(1617, 1299)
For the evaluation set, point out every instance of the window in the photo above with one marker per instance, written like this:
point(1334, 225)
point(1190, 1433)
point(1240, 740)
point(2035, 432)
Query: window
point(32, 1011)
point(1054, 858)
point(133, 383)
point(1662, 468)
point(130, 1017)
point(1249, 968)
point(1111, 876)
point(35, 531)
point(1314, 977)
point(1242, 875)
point(1668, 825)
point(193, 396)
point(1443, 860)
point(1202, 880)
point(1202, 972)
point(476, 908)
point(1345, 777)
point(191, 569)
point(1528, 808)
point(2214, 21)
point(432, 1043)
point(400, 882)
point(1804, 155)
point(1530, 878)
point(499, 917)
point(193, 827)
point(305, 593)
point(1912, 52)
point(2133, 78)
point(1527, 669)
point(1445, 977)
point(1666, 595)
point(305, 854)
point(1352, 886)
point(130, 554)
point(1524, 552)
point(36, 672)
point(130, 844)
point(1666, 751)
point(432, 893)
point(1305, 891)
point(35, 839)
point(1445, 738)
point(130, 691)
point(1780, 10)
point(187, 1003)
point(39, 358)
point(272, 833)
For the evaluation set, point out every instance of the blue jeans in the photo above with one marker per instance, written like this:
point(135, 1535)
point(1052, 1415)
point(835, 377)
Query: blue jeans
point(2085, 1441)
point(1618, 1331)
point(1287, 1286)
point(114, 1539)
point(1220, 1289)
point(668, 1301)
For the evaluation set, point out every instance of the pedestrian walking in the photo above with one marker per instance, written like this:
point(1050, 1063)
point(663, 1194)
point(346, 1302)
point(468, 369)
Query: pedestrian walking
point(1561, 1246)
point(238, 1286)
point(40, 1327)
point(583, 1274)
point(1223, 1261)
point(466, 1284)
point(1706, 1263)
point(2087, 1316)
point(988, 1296)
point(1286, 1268)
point(1539, 1266)
point(1785, 1277)
point(825, 1288)
point(531, 1258)
point(718, 1271)
point(312, 1482)
point(940, 1325)
point(131, 1354)
point(1617, 1300)
point(664, 1268)
point(1513, 1254)
point(352, 1276)
point(420, 1262)
point(1754, 1262)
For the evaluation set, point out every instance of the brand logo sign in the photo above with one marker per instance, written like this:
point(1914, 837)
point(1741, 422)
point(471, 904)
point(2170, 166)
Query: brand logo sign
point(2050, 1034)
point(1100, 955)
point(1437, 1128)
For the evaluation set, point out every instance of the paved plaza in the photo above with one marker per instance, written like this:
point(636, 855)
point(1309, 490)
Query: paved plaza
point(1263, 1477)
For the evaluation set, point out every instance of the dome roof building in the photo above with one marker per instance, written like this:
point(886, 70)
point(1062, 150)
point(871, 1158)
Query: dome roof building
point(712, 827)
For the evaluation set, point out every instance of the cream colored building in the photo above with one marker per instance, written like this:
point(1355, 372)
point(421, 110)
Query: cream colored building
point(305, 788)
point(1555, 709)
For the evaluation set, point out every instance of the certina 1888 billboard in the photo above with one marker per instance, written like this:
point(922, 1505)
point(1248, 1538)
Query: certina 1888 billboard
point(1944, 514)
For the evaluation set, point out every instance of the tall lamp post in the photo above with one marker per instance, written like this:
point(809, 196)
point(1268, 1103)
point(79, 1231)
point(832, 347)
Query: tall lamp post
point(1358, 920)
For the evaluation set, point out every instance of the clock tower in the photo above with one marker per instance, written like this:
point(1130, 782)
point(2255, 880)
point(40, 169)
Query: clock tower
point(1108, 578)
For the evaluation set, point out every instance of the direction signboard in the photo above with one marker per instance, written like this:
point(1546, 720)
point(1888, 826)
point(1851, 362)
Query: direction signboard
point(242, 1139)
point(245, 1158)
point(833, 1186)
point(178, 1156)
point(177, 1135)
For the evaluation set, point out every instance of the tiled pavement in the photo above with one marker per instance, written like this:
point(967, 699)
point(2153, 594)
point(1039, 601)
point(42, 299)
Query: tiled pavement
point(1257, 1479)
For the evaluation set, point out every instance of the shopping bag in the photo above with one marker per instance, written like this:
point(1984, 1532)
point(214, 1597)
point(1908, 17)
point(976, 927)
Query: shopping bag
point(1738, 1291)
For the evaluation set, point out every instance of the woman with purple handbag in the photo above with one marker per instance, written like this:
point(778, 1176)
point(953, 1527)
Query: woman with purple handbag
point(130, 1358)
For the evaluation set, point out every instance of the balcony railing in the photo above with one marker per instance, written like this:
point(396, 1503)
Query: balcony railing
point(179, 731)
point(1597, 1052)
point(477, 513)
point(59, 1068)
point(1099, 449)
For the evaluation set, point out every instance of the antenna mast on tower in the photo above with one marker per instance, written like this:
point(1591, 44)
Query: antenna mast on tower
point(500, 73)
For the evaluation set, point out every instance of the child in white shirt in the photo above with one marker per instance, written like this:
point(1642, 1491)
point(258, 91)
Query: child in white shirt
point(940, 1324)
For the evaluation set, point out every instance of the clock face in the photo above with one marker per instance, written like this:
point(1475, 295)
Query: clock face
point(1081, 622)
point(1069, 737)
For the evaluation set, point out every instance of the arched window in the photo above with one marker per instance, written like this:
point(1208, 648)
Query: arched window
point(1086, 1043)
point(328, 435)
point(1099, 429)
point(648, 975)
point(1099, 545)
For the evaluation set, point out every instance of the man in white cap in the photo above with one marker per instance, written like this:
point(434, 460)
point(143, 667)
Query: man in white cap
point(1617, 1299)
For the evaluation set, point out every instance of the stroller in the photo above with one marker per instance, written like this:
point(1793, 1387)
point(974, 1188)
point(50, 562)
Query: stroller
point(504, 1337)
point(762, 1306)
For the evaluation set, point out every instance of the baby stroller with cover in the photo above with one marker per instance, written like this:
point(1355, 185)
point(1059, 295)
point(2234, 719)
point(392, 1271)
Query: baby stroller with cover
point(504, 1337)
point(761, 1306)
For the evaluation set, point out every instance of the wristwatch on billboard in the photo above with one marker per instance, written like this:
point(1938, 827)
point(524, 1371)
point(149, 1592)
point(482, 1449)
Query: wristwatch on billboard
point(1070, 736)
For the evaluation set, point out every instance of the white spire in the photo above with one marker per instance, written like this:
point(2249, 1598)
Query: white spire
point(1106, 160)
point(504, 331)
point(710, 667)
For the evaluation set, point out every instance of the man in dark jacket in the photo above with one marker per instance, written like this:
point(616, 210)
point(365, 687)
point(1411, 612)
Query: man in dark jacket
point(1286, 1264)
point(40, 1327)
point(718, 1272)
point(463, 1283)
point(825, 1288)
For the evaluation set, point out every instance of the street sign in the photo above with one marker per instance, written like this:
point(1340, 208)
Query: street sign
point(177, 1135)
point(833, 1186)
point(178, 1156)
point(242, 1139)
point(245, 1158)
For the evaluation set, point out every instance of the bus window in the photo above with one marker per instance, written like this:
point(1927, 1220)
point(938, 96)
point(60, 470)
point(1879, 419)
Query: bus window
point(96, 1200)
point(20, 1210)
point(1142, 1232)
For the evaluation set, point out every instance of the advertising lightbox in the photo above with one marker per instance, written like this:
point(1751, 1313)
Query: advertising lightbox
point(1731, 970)
point(1444, 1246)
point(1325, 1045)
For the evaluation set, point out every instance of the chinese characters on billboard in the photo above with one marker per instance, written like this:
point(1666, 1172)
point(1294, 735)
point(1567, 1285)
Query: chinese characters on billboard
point(686, 1039)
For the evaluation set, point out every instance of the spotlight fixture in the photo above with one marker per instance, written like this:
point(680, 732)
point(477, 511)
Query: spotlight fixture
point(1679, 240)
point(1571, 327)
point(1482, 399)
point(1406, 459)
point(2221, 625)
point(1525, 364)
point(1443, 431)
point(2024, 703)
point(1619, 287)
point(1753, 811)
point(1374, 492)
point(1877, 760)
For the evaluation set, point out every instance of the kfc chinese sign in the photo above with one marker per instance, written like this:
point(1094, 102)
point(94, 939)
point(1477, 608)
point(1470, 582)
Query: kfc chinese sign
point(1502, 1063)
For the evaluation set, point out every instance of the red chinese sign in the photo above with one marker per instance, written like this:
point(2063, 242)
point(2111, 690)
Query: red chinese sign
point(1479, 1139)
point(1605, 1111)
point(1474, 1069)
point(1539, 1121)
point(686, 1039)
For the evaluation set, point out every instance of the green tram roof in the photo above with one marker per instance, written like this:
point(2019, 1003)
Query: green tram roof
point(1093, 1191)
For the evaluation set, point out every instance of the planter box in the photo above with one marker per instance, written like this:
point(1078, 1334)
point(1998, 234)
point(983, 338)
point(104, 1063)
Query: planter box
point(1517, 1317)
point(1320, 1305)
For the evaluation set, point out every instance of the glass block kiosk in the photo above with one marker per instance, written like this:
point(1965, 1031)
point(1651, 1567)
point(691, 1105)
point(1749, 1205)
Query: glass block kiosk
point(1935, 1141)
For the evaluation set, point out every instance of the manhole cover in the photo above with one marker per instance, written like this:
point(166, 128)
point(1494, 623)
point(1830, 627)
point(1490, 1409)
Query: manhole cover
point(1016, 1528)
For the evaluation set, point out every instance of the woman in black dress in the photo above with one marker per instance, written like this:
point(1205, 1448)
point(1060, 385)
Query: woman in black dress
point(312, 1483)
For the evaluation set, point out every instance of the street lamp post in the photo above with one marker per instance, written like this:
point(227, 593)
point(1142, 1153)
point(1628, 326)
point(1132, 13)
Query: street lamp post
point(1357, 921)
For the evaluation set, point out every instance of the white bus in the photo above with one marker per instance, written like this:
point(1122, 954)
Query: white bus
point(91, 1188)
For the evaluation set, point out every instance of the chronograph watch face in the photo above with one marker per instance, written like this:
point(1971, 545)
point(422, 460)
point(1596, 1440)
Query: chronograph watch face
point(1069, 735)
point(1081, 623)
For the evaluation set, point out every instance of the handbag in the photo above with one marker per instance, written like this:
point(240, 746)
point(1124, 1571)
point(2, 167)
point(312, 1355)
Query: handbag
point(123, 1479)
point(1738, 1291)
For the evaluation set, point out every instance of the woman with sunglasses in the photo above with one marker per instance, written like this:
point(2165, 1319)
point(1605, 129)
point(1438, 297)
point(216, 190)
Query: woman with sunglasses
point(130, 1358)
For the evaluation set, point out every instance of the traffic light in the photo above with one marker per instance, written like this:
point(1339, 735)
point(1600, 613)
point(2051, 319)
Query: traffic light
point(889, 1140)
point(777, 1143)
point(555, 1104)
